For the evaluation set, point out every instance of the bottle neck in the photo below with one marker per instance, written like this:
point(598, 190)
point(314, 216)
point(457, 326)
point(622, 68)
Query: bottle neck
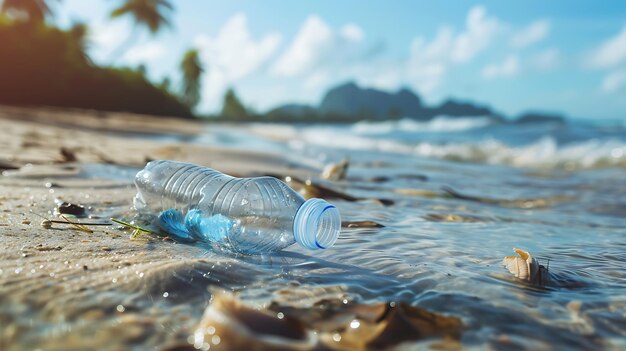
point(317, 224)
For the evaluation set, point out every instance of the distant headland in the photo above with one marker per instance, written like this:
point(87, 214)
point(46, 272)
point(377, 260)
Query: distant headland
point(349, 102)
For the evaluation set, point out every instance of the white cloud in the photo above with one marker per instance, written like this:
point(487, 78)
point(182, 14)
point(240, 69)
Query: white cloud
point(430, 61)
point(108, 36)
point(508, 68)
point(438, 49)
point(107, 39)
point(145, 52)
point(232, 55)
point(534, 33)
point(610, 53)
point(352, 32)
point(320, 55)
point(546, 59)
point(614, 81)
point(480, 31)
point(312, 43)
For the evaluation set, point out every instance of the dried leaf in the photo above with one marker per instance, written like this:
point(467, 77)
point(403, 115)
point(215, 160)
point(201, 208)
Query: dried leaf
point(417, 192)
point(240, 327)
point(516, 203)
point(309, 189)
point(373, 327)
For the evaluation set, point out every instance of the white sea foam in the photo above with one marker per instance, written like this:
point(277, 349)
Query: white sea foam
point(438, 124)
point(378, 136)
point(543, 153)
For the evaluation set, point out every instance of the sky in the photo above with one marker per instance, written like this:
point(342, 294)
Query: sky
point(565, 57)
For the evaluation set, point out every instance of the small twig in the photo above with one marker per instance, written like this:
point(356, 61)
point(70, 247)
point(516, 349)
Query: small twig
point(67, 221)
point(137, 229)
point(81, 223)
point(79, 226)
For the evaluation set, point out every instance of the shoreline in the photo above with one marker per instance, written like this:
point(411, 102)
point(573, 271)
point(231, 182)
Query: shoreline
point(65, 274)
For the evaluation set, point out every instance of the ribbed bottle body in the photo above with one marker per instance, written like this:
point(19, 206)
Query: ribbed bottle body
point(262, 209)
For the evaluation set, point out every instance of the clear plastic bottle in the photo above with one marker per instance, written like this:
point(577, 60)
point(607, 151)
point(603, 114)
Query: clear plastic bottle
point(249, 215)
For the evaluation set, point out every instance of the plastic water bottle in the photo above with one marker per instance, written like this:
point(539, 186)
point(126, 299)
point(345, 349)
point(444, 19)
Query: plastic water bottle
point(248, 215)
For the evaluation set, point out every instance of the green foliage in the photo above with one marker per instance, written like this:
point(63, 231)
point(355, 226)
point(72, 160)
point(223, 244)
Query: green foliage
point(153, 14)
point(233, 108)
point(192, 72)
point(48, 66)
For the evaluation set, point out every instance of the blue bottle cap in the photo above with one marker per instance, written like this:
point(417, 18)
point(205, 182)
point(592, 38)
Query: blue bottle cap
point(317, 224)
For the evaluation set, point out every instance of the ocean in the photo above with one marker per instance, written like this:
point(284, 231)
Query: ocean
point(459, 195)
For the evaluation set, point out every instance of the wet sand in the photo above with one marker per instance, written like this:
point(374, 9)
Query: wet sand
point(65, 289)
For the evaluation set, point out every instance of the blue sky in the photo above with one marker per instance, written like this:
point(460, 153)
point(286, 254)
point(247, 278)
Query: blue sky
point(562, 56)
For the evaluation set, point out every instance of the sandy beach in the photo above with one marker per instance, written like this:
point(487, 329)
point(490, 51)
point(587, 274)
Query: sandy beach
point(76, 283)
point(418, 263)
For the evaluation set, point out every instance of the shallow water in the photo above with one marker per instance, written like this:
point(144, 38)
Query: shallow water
point(445, 253)
point(436, 251)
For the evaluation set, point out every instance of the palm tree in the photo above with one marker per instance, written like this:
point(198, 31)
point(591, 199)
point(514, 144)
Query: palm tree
point(232, 107)
point(78, 32)
point(36, 10)
point(192, 71)
point(151, 14)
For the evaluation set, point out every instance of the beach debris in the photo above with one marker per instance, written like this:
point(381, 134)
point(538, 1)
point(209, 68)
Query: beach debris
point(308, 189)
point(228, 324)
point(418, 192)
point(77, 225)
point(66, 208)
point(40, 247)
point(451, 217)
point(336, 171)
point(526, 267)
point(330, 324)
point(517, 203)
point(343, 325)
point(361, 224)
point(8, 166)
point(46, 224)
point(136, 229)
point(68, 155)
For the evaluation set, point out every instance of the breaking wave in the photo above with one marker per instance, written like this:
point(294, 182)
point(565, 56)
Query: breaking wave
point(438, 124)
point(543, 153)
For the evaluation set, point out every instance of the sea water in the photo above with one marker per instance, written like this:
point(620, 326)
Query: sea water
point(445, 253)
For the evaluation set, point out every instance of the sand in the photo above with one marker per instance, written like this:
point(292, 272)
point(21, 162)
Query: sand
point(63, 288)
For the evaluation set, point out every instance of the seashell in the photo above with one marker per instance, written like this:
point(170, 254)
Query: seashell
point(228, 324)
point(526, 267)
point(336, 171)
